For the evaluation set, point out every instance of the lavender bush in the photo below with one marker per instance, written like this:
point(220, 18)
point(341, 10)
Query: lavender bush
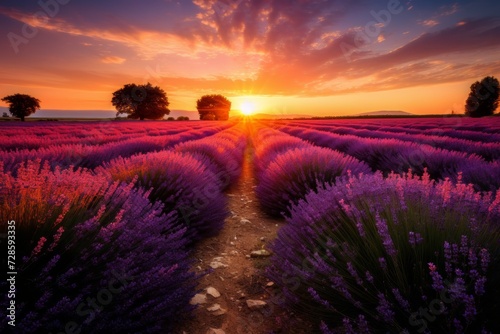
point(400, 255)
point(90, 156)
point(297, 171)
point(92, 255)
point(275, 144)
point(388, 155)
point(181, 182)
point(221, 153)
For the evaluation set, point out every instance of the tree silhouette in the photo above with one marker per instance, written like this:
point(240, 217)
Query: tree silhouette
point(213, 107)
point(483, 98)
point(141, 101)
point(22, 105)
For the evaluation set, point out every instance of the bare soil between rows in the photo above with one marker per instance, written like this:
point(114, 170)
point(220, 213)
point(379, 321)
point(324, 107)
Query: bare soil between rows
point(246, 230)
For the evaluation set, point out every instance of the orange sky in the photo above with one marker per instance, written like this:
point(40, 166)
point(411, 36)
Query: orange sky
point(303, 57)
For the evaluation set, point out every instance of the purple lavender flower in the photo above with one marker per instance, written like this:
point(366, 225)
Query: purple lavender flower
point(470, 308)
point(348, 327)
point(354, 273)
point(485, 259)
point(402, 301)
point(437, 280)
point(383, 263)
point(384, 309)
point(318, 299)
point(480, 285)
point(383, 231)
point(414, 238)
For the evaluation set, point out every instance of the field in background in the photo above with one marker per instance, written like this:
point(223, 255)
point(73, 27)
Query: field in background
point(384, 217)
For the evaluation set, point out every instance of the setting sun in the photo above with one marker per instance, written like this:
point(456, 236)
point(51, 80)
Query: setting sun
point(247, 108)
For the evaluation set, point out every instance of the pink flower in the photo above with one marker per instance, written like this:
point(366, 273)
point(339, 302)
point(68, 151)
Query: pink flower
point(39, 246)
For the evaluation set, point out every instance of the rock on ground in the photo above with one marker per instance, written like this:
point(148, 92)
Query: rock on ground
point(256, 304)
point(213, 292)
point(215, 331)
point(199, 298)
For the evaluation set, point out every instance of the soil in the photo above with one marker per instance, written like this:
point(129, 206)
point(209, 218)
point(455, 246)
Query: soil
point(246, 230)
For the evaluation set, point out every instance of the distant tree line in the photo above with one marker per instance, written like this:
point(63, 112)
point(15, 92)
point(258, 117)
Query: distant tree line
point(151, 102)
point(213, 107)
point(136, 101)
point(483, 98)
point(22, 105)
point(146, 101)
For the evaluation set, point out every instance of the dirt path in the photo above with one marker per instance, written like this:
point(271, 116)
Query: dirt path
point(237, 278)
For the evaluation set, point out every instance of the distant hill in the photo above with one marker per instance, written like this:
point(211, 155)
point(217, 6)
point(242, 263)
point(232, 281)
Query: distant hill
point(279, 116)
point(192, 114)
point(386, 113)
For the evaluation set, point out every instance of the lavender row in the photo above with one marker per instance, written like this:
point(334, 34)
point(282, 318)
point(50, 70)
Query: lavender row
point(489, 151)
point(130, 220)
point(222, 153)
point(475, 128)
point(93, 255)
point(401, 254)
point(389, 155)
point(188, 180)
point(29, 136)
point(287, 168)
point(91, 156)
point(451, 129)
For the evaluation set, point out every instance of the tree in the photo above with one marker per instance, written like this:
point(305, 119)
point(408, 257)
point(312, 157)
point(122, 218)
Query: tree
point(22, 105)
point(183, 118)
point(5, 114)
point(213, 107)
point(141, 101)
point(483, 98)
point(171, 118)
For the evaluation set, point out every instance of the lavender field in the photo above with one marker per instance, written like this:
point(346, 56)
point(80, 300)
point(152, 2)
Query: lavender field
point(390, 225)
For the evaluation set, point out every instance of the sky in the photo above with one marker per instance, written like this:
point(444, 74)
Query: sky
point(325, 57)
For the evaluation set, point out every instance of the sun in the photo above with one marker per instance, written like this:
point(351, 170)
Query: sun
point(247, 108)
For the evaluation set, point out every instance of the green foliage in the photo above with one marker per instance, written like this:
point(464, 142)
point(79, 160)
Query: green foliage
point(483, 98)
point(141, 101)
point(213, 107)
point(22, 105)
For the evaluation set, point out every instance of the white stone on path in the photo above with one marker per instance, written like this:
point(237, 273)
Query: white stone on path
point(256, 304)
point(213, 292)
point(260, 253)
point(199, 298)
point(219, 312)
point(217, 263)
point(214, 307)
point(215, 331)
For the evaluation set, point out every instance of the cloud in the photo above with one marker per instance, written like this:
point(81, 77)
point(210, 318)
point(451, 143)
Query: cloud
point(326, 72)
point(146, 43)
point(472, 35)
point(448, 10)
point(113, 60)
point(275, 47)
point(303, 53)
point(428, 23)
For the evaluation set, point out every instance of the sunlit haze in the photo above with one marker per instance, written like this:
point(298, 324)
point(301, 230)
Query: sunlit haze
point(277, 57)
point(247, 108)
